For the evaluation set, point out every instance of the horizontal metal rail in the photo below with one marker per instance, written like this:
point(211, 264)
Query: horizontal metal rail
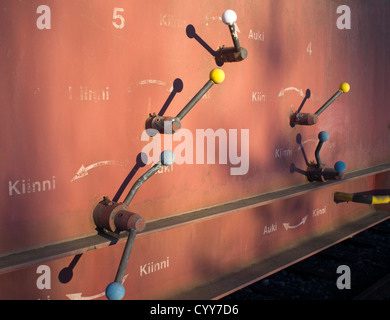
point(24, 259)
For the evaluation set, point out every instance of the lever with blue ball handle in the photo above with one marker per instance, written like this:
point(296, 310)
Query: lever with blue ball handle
point(317, 171)
point(116, 217)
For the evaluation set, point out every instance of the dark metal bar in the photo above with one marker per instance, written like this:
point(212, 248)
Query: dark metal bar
point(125, 256)
point(360, 198)
point(317, 153)
point(140, 181)
point(322, 136)
point(233, 33)
point(194, 100)
point(327, 103)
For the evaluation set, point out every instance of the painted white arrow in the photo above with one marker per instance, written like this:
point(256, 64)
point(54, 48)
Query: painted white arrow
point(308, 140)
point(300, 91)
point(152, 81)
point(213, 19)
point(83, 171)
point(287, 225)
point(79, 296)
point(220, 18)
point(134, 86)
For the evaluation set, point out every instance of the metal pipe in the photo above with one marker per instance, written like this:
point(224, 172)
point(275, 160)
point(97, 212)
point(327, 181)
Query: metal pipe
point(327, 103)
point(140, 181)
point(167, 158)
point(125, 256)
point(194, 100)
point(216, 76)
point(233, 33)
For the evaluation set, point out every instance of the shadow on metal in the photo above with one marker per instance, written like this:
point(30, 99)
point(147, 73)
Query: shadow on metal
point(177, 87)
point(307, 96)
point(191, 33)
point(141, 161)
point(293, 168)
point(66, 274)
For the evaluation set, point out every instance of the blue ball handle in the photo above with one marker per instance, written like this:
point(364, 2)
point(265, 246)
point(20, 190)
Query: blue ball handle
point(115, 291)
point(340, 166)
point(323, 136)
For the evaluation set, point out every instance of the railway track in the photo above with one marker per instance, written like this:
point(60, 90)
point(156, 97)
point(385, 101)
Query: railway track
point(355, 269)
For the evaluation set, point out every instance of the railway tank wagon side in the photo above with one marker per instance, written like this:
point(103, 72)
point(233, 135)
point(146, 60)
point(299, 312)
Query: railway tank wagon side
point(184, 151)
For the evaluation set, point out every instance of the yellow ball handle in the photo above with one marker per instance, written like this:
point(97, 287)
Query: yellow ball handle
point(217, 75)
point(344, 87)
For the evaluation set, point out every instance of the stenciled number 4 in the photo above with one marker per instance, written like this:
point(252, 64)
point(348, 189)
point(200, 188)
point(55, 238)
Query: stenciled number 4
point(308, 49)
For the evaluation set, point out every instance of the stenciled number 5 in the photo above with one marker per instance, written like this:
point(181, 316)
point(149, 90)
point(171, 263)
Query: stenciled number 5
point(116, 16)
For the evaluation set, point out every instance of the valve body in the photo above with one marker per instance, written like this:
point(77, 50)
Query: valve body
point(306, 119)
point(316, 172)
point(230, 54)
point(163, 124)
point(114, 216)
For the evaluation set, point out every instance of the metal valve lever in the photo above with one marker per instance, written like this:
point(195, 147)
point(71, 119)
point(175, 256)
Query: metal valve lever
point(167, 158)
point(322, 137)
point(116, 217)
point(317, 171)
point(170, 125)
point(115, 290)
point(308, 119)
point(230, 54)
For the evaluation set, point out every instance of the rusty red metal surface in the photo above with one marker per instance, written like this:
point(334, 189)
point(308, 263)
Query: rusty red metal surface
point(80, 78)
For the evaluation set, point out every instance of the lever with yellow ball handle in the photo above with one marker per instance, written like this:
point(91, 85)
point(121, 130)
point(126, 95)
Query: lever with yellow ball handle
point(308, 119)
